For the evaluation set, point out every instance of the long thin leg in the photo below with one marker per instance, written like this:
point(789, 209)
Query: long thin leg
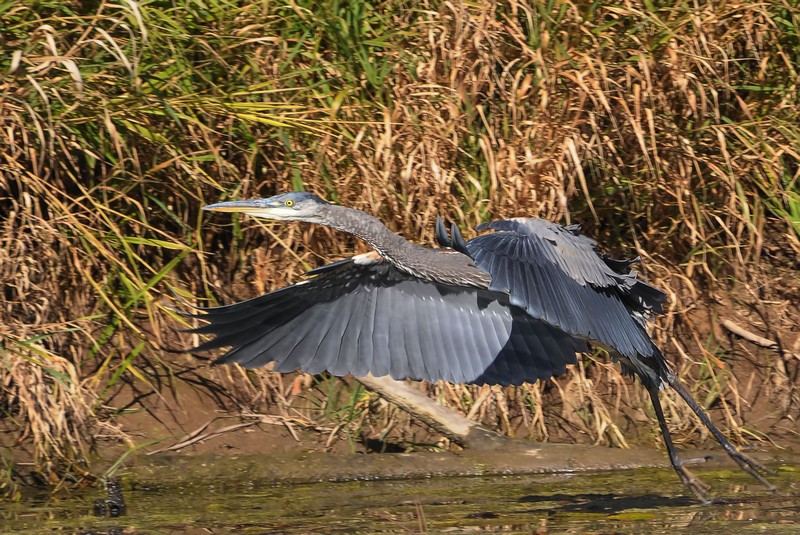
point(699, 488)
point(747, 464)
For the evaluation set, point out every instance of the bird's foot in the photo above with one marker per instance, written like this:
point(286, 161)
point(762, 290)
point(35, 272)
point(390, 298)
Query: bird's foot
point(754, 468)
point(698, 487)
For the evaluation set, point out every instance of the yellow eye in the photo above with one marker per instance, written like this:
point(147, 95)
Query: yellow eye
point(289, 203)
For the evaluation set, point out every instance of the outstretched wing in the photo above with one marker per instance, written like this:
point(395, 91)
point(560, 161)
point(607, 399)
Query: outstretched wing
point(372, 318)
point(556, 275)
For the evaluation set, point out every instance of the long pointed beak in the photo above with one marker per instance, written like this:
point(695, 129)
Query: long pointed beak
point(253, 205)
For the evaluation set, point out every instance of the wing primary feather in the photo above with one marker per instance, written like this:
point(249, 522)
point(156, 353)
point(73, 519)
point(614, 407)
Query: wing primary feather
point(444, 325)
point(398, 362)
point(348, 345)
point(457, 335)
point(554, 286)
point(497, 370)
point(286, 353)
point(431, 354)
point(267, 301)
point(413, 347)
point(529, 346)
point(327, 352)
point(245, 331)
point(522, 362)
point(524, 332)
point(310, 357)
point(381, 352)
point(309, 333)
point(365, 352)
point(253, 352)
point(477, 352)
point(490, 320)
point(482, 352)
point(444, 354)
point(550, 352)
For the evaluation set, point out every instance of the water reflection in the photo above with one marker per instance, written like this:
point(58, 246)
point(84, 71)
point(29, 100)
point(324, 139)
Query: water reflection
point(632, 501)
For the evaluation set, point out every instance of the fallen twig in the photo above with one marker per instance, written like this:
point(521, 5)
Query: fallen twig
point(747, 335)
point(195, 436)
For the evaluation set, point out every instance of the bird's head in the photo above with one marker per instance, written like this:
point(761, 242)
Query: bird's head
point(294, 206)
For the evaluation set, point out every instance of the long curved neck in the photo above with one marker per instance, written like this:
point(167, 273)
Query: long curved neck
point(366, 227)
point(422, 262)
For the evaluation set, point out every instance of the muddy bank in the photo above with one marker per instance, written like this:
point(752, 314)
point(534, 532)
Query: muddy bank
point(309, 467)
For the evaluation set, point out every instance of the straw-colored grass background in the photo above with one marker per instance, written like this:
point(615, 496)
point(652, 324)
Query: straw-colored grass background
point(669, 129)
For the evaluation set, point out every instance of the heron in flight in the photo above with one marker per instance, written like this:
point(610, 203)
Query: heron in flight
point(506, 307)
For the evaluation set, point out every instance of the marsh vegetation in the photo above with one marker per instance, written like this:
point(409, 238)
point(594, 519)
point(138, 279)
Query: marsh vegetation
point(668, 129)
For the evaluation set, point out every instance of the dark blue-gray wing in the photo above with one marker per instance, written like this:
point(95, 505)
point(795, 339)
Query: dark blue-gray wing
point(372, 318)
point(556, 275)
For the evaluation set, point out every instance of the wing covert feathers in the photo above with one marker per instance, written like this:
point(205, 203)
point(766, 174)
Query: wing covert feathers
point(373, 318)
point(556, 275)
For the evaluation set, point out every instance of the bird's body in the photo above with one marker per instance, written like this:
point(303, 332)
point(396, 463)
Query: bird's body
point(506, 307)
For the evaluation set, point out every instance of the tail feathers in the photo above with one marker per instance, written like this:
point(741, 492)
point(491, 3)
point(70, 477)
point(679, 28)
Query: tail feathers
point(649, 297)
point(653, 369)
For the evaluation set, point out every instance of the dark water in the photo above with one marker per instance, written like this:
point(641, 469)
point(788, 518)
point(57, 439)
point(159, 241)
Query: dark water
point(630, 501)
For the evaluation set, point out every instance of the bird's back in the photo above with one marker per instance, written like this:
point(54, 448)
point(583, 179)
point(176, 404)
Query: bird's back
point(440, 265)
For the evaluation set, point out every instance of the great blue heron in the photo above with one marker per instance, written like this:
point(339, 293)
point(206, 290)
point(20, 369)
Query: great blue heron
point(506, 307)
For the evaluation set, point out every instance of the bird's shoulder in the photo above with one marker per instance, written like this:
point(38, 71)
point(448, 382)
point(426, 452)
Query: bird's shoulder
point(445, 266)
point(441, 266)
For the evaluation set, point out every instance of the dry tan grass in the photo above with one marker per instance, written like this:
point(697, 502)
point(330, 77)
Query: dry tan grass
point(644, 137)
point(670, 131)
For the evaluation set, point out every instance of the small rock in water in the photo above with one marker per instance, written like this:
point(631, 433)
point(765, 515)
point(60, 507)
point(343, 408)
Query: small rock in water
point(113, 505)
